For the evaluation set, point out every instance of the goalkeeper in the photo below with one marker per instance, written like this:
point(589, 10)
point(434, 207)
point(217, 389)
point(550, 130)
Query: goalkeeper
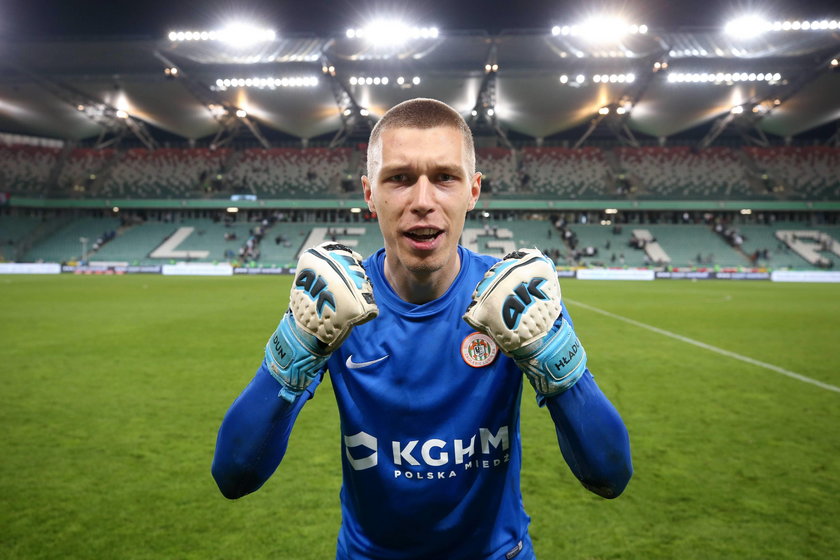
point(426, 344)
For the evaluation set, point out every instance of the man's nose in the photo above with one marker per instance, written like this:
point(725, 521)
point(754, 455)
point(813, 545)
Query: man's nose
point(424, 196)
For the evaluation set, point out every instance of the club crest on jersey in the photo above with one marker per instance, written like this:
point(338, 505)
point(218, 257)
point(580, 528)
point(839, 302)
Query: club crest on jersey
point(478, 350)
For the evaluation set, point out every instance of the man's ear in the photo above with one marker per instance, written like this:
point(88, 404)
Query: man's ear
point(368, 191)
point(475, 190)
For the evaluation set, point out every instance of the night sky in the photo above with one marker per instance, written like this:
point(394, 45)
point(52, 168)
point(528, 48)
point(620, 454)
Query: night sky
point(154, 18)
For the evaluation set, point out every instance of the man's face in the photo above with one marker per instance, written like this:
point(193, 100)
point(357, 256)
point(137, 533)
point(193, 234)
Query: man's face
point(421, 193)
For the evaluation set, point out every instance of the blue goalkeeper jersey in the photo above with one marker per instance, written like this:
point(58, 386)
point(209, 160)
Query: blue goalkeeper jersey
point(430, 432)
point(430, 427)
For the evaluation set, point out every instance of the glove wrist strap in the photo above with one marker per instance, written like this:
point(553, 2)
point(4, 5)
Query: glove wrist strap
point(555, 363)
point(294, 357)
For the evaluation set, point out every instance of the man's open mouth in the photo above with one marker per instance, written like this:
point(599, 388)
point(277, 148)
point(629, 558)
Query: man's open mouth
point(423, 234)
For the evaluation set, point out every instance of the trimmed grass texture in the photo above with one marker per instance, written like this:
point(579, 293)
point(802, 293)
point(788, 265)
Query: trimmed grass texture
point(113, 388)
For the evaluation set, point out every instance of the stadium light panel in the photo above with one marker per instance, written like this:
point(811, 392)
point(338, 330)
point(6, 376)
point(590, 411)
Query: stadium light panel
point(267, 82)
point(747, 27)
point(391, 32)
point(603, 28)
point(236, 34)
point(722, 78)
point(243, 35)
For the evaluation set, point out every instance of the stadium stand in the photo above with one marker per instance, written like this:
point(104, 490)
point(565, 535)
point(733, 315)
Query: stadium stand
point(66, 243)
point(284, 172)
point(80, 170)
point(498, 168)
point(565, 173)
point(25, 170)
point(682, 172)
point(695, 245)
point(800, 173)
point(14, 229)
point(818, 248)
point(590, 173)
point(162, 173)
point(277, 243)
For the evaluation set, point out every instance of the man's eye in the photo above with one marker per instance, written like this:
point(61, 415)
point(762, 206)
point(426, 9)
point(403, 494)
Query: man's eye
point(445, 177)
point(401, 178)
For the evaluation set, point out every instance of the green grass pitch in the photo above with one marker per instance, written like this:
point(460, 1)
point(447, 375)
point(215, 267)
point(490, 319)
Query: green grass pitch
point(112, 390)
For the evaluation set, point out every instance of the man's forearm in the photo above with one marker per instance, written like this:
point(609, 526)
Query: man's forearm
point(592, 437)
point(253, 436)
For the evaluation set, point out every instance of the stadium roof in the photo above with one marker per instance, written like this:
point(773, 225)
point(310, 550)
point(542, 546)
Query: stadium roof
point(104, 73)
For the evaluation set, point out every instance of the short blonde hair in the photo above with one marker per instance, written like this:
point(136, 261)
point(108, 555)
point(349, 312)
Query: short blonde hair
point(420, 113)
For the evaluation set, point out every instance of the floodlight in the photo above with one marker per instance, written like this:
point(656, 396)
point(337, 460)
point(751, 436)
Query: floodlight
point(415, 80)
point(243, 35)
point(747, 27)
point(241, 113)
point(122, 114)
point(383, 32)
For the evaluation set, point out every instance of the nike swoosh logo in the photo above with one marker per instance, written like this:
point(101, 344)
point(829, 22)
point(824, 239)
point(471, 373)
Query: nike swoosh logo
point(356, 365)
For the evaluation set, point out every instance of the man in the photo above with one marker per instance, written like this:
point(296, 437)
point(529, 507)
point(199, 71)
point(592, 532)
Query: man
point(427, 377)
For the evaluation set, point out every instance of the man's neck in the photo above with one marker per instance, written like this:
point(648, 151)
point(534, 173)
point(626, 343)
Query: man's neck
point(422, 287)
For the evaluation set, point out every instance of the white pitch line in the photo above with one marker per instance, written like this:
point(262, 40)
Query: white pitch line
point(747, 359)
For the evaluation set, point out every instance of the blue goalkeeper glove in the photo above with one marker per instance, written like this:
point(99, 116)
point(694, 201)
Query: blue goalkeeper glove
point(517, 304)
point(331, 294)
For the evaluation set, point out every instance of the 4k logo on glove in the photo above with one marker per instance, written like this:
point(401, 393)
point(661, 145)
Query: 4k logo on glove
point(316, 288)
point(520, 300)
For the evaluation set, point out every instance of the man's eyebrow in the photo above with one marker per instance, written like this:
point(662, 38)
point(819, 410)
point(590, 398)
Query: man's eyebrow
point(395, 169)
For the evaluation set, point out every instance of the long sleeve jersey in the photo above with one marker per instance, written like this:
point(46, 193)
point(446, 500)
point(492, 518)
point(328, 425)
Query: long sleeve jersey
point(431, 448)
